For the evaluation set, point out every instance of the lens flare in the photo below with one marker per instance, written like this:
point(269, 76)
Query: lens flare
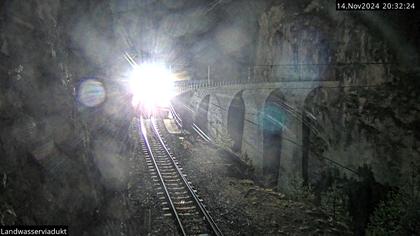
point(151, 85)
point(91, 93)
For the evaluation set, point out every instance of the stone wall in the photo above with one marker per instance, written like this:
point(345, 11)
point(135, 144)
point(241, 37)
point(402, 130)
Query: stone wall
point(255, 98)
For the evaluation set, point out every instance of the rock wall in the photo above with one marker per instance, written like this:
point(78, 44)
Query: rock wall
point(55, 157)
point(372, 119)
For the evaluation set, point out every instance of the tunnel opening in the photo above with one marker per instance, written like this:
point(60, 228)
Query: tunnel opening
point(201, 118)
point(274, 117)
point(236, 117)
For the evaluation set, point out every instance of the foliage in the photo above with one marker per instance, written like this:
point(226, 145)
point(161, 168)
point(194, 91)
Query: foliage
point(300, 191)
point(385, 220)
point(250, 169)
point(399, 214)
point(334, 203)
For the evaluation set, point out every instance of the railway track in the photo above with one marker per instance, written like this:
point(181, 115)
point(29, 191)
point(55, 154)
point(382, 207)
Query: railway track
point(194, 126)
point(179, 199)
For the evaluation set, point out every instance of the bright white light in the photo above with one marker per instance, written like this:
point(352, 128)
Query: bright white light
point(151, 86)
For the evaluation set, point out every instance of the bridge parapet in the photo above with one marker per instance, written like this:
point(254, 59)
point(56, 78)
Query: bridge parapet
point(183, 86)
point(295, 73)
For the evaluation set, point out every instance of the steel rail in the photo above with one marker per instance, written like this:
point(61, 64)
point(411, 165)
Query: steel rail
point(195, 127)
point(178, 119)
point(149, 149)
point(201, 133)
point(207, 216)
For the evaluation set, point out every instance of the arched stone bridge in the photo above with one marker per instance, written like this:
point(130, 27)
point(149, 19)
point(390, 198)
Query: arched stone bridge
point(260, 121)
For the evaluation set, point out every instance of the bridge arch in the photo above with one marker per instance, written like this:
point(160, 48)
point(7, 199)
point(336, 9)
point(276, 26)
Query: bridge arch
point(235, 121)
point(273, 121)
point(201, 117)
point(216, 118)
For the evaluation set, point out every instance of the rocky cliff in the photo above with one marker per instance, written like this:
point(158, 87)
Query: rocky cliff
point(372, 118)
point(55, 162)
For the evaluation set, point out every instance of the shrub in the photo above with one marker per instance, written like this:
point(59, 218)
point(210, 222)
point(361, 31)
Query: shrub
point(301, 192)
point(334, 203)
point(399, 214)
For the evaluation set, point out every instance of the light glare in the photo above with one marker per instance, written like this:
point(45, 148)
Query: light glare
point(151, 86)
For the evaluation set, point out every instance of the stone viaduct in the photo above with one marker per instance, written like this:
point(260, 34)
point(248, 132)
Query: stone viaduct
point(262, 122)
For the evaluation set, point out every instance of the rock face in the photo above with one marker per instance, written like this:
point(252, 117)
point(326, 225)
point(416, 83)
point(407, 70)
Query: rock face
point(373, 118)
point(191, 35)
point(308, 44)
point(54, 163)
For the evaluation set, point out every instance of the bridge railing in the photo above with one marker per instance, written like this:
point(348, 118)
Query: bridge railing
point(279, 73)
point(205, 83)
point(195, 84)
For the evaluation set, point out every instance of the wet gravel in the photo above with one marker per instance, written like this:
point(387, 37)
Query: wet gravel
point(238, 205)
point(136, 209)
